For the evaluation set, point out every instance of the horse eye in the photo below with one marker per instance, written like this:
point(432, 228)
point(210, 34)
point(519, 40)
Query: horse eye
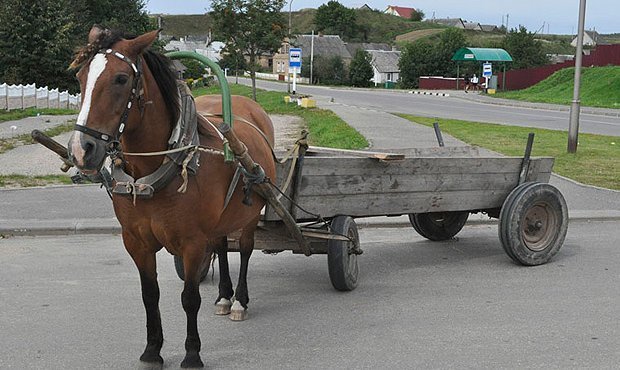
point(121, 79)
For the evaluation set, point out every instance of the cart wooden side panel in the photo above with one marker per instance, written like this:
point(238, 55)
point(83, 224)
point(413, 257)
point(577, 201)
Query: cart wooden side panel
point(362, 187)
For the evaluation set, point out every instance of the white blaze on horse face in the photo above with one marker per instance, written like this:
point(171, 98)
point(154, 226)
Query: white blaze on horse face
point(96, 67)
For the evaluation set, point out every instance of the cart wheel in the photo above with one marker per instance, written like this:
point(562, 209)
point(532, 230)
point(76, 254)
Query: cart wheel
point(438, 226)
point(342, 255)
point(178, 266)
point(505, 210)
point(533, 223)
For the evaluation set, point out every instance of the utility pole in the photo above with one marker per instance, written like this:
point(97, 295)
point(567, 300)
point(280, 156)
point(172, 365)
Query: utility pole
point(573, 126)
point(288, 72)
point(507, 16)
point(311, 55)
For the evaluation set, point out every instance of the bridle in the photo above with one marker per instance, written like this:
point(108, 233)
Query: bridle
point(113, 142)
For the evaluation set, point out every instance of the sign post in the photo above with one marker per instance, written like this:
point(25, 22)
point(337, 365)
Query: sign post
point(487, 72)
point(294, 63)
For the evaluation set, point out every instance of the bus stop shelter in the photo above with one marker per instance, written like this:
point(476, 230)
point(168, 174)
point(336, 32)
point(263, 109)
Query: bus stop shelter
point(481, 55)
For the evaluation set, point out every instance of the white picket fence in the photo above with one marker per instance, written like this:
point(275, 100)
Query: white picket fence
point(29, 96)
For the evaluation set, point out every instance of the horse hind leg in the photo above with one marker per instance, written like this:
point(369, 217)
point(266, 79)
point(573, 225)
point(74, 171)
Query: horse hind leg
point(190, 298)
point(246, 245)
point(223, 302)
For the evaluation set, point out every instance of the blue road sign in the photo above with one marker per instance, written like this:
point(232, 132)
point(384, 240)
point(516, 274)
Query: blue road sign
point(487, 70)
point(294, 58)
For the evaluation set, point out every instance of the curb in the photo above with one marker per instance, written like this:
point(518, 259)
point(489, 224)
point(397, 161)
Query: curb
point(26, 227)
point(428, 93)
point(543, 106)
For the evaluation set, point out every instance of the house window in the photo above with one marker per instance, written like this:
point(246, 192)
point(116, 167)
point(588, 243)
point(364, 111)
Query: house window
point(389, 77)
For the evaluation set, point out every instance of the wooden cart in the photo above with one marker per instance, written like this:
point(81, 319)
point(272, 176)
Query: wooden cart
point(437, 188)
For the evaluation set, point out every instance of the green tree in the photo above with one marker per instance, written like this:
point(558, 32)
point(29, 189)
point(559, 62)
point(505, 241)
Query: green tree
point(233, 60)
point(329, 70)
point(450, 40)
point(525, 50)
point(335, 18)
point(38, 38)
point(129, 16)
point(252, 27)
point(417, 15)
point(415, 62)
point(36, 43)
point(194, 70)
point(360, 70)
point(421, 58)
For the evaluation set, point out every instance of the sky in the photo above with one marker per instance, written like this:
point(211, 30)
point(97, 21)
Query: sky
point(557, 16)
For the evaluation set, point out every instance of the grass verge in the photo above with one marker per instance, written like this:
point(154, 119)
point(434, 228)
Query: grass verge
point(600, 87)
point(597, 161)
point(32, 112)
point(325, 127)
point(14, 181)
point(25, 139)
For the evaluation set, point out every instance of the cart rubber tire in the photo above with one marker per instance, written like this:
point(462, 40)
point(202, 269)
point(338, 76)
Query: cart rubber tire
point(505, 210)
point(341, 262)
point(438, 226)
point(533, 223)
point(178, 266)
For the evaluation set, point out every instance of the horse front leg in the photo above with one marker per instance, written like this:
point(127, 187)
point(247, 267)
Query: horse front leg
point(146, 263)
point(190, 298)
point(242, 298)
point(224, 298)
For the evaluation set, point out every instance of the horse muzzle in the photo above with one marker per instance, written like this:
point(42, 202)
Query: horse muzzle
point(86, 152)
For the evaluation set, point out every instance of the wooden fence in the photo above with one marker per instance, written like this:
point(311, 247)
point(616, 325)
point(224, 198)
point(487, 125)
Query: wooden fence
point(31, 96)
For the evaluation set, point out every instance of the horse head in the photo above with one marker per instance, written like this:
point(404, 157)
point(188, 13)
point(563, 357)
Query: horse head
point(111, 84)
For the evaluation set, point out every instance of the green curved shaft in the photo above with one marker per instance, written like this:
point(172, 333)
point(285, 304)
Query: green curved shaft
point(226, 105)
point(226, 102)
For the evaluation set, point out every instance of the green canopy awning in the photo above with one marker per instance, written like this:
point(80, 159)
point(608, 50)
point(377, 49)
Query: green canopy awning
point(481, 55)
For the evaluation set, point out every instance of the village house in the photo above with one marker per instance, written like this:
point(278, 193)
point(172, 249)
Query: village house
point(450, 22)
point(385, 66)
point(324, 46)
point(401, 11)
point(590, 38)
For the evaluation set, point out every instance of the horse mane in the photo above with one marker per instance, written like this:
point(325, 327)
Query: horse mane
point(159, 65)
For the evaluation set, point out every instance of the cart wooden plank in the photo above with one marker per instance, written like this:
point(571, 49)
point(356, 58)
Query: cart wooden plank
point(363, 187)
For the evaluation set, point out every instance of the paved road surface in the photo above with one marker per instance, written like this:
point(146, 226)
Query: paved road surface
point(74, 303)
point(454, 107)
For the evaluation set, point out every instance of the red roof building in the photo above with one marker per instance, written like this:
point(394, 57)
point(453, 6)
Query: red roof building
point(400, 11)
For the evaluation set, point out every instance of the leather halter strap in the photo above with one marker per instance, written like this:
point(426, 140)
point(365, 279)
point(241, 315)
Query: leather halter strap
point(135, 92)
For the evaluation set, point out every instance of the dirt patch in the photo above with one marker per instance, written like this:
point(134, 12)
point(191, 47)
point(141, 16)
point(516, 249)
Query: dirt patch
point(287, 129)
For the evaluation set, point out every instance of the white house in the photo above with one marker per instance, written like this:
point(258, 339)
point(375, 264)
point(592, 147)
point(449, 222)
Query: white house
point(210, 50)
point(590, 38)
point(385, 66)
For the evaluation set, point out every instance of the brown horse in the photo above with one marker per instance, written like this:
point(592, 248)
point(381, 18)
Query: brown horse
point(130, 90)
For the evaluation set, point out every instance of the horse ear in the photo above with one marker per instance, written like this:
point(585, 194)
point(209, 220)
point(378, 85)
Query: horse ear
point(142, 42)
point(95, 33)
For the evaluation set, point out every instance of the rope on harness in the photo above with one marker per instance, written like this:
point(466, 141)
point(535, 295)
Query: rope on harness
point(257, 176)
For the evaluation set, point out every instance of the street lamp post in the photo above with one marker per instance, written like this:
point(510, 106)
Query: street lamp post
point(573, 126)
point(288, 72)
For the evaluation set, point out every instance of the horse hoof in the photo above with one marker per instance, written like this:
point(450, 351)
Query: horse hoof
point(192, 362)
point(238, 312)
point(150, 366)
point(222, 307)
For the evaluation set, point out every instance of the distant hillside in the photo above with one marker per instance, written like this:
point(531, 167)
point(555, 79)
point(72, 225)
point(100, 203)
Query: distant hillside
point(374, 26)
point(181, 25)
point(600, 87)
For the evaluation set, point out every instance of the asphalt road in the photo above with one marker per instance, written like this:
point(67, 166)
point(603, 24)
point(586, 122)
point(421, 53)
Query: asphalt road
point(453, 107)
point(73, 302)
